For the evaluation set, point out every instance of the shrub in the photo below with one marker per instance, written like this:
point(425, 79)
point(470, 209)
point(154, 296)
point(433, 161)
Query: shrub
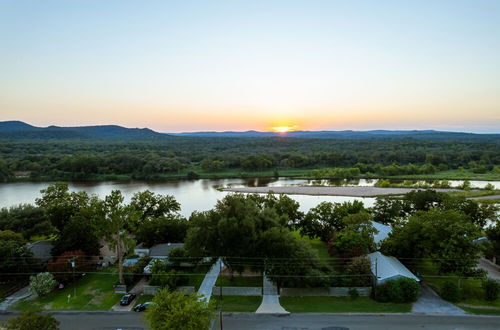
point(359, 266)
point(491, 289)
point(449, 291)
point(170, 279)
point(42, 283)
point(403, 290)
point(29, 320)
point(353, 293)
point(177, 255)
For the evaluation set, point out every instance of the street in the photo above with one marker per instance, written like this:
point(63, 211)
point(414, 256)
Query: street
point(243, 321)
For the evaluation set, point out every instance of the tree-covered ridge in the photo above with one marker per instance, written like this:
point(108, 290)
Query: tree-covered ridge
point(149, 160)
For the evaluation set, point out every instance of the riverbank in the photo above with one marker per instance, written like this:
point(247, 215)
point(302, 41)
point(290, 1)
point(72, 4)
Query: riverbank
point(195, 173)
point(329, 191)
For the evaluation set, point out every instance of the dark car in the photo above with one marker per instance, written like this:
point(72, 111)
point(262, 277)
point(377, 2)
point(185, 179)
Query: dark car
point(142, 307)
point(127, 299)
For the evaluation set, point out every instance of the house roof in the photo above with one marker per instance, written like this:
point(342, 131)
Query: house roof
point(383, 232)
point(385, 267)
point(162, 250)
point(41, 249)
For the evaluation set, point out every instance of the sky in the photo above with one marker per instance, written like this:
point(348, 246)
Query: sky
point(177, 66)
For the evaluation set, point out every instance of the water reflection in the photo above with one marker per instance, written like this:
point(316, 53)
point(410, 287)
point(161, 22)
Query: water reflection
point(194, 195)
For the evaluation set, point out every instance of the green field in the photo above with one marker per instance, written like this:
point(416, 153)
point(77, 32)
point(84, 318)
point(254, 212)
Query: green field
point(93, 292)
point(242, 304)
point(340, 305)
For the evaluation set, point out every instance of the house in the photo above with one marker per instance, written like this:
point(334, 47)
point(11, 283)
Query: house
point(383, 232)
point(41, 250)
point(386, 268)
point(156, 251)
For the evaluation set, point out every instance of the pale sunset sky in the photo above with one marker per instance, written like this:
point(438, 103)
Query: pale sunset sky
point(178, 66)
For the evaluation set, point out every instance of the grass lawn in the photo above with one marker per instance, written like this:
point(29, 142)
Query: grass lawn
point(480, 311)
point(194, 275)
point(340, 305)
point(143, 298)
point(254, 281)
point(93, 292)
point(243, 304)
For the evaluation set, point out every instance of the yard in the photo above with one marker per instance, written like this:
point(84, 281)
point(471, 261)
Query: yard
point(242, 304)
point(340, 305)
point(93, 292)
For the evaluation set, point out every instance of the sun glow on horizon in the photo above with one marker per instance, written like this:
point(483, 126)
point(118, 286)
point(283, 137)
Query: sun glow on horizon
point(284, 129)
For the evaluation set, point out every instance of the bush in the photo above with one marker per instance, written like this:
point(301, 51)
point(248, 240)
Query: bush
point(177, 255)
point(29, 320)
point(170, 279)
point(403, 290)
point(353, 293)
point(491, 289)
point(360, 267)
point(42, 283)
point(449, 291)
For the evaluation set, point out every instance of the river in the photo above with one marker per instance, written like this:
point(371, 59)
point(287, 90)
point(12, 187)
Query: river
point(193, 195)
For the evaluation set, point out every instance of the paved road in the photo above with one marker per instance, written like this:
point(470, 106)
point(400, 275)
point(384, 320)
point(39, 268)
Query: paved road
point(246, 321)
point(93, 320)
point(358, 322)
point(430, 303)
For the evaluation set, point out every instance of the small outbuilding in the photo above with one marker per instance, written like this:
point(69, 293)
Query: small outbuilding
point(41, 250)
point(386, 268)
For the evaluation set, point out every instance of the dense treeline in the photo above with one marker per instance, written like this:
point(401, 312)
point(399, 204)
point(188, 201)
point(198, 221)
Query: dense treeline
point(92, 160)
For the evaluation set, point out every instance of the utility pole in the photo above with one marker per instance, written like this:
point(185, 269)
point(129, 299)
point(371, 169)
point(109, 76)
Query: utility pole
point(73, 264)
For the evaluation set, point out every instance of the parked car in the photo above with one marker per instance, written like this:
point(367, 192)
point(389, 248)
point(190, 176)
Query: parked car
point(142, 307)
point(127, 299)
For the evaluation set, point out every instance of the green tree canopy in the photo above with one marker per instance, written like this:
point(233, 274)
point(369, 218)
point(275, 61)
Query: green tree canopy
point(174, 310)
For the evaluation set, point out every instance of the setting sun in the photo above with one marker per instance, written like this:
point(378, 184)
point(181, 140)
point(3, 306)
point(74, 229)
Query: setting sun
point(283, 129)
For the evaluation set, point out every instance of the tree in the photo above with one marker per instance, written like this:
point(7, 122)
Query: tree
point(15, 257)
point(68, 264)
point(60, 205)
point(79, 233)
point(174, 310)
point(26, 219)
point(360, 270)
point(42, 283)
point(113, 222)
point(29, 320)
point(444, 235)
point(387, 210)
point(170, 228)
point(151, 205)
point(326, 218)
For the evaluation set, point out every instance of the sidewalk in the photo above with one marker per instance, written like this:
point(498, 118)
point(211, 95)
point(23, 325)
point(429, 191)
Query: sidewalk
point(15, 297)
point(271, 300)
point(205, 290)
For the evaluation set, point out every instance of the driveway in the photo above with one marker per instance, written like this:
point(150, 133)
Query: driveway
point(205, 290)
point(492, 269)
point(271, 300)
point(16, 296)
point(137, 289)
point(430, 302)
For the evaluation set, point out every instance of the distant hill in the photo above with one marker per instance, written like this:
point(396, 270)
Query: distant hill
point(21, 130)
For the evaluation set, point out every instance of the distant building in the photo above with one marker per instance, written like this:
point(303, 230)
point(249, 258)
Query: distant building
point(156, 251)
point(386, 268)
point(41, 250)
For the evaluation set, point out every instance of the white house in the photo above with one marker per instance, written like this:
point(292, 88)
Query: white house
point(386, 268)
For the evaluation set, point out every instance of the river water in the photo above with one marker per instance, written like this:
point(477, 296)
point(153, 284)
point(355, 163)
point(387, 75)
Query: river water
point(193, 195)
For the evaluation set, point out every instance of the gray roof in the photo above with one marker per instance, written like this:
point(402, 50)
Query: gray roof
point(162, 250)
point(41, 249)
point(387, 268)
